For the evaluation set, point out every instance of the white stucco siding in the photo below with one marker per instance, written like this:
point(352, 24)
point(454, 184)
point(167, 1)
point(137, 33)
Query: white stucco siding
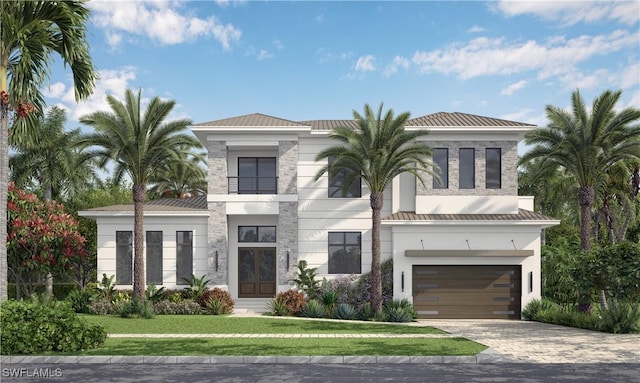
point(107, 227)
point(454, 237)
point(318, 214)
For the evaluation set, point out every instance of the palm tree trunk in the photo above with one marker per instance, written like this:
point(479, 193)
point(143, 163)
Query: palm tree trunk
point(586, 196)
point(4, 180)
point(49, 279)
point(139, 191)
point(376, 199)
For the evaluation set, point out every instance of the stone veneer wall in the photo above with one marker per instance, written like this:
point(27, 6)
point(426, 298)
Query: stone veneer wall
point(287, 239)
point(218, 242)
point(288, 167)
point(509, 169)
point(217, 167)
point(217, 225)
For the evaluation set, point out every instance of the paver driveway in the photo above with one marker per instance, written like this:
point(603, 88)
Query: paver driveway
point(525, 341)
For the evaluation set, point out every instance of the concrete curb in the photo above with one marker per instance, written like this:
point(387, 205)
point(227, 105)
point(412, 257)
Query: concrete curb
point(486, 356)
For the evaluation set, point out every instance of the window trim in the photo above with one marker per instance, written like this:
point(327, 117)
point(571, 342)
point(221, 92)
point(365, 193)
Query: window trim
point(119, 280)
point(486, 167)
point(179, 280)
point(343, 173)
point(161, 247)
point(257, 176)
point(473, 169)
point(258, 227)
point(345, 245)
point(445, 179)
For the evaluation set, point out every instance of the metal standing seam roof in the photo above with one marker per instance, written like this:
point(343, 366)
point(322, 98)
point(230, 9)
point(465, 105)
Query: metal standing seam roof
point(440, 119)
point(522, 215)
point(198, 203)
point(251, 120)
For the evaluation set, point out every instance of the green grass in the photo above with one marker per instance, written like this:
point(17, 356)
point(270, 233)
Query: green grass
point(288, 347)
point(209, 324)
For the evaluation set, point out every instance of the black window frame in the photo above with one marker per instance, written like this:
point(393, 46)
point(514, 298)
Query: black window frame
point(257, 180)
point(154, 259)
point(333, 268)
point(181, 252)
point(490, 182)
point(122, 276)
point(257, 231)
point(461, 177)
point(442, 171)
point(336, 178)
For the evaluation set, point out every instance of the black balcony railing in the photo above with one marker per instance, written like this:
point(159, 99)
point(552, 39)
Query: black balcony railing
point(253, 185)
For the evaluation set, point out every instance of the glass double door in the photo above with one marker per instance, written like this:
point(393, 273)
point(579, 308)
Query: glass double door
point(256, 272)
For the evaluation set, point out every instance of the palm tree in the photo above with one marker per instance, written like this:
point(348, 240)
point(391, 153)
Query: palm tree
point(52, 165)
point(378, 150)
point(139, 144)
point(587, 145)
point(179, 179)
point(31, 32)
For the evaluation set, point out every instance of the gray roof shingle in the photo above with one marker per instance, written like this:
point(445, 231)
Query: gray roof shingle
point(252, 120)
point(198, 203)
point(460, 119)
point(523, 215)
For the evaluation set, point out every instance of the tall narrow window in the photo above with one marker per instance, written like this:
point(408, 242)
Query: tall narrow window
point(338, 178)
point(441, 160)
point(124, 252)
point(257, 175)
point(467, 168)
point(184, 256)
point(345, 253)
point(154, 257)
point(494, 172)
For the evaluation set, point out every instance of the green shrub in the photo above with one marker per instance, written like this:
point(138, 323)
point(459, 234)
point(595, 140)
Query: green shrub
point(223, 304)
point(29, 328)
point(196, 287)
point(166, 307)
point(81, 300)
point(102, 308)
point(294, 300)
point(532, 309)
point(329, 300)
point(366, 312)
point(135, 308)
point(306, 280)
point(567, 317)
point(277, 307)
point(620, 318)
point(314, 309)
point(153, 294)
point(345, 311)
point(107, 287)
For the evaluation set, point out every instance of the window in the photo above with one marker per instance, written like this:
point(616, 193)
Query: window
point(337, 178)
point(344, 253)
point(154, 257)
point(124, 252)
point(467, 168)
point(256, 233)
point(184, 255)
point(257, 175)
point(493, 164)
point(441, 160)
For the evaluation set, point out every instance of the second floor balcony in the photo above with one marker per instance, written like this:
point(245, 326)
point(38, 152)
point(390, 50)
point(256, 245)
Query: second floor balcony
point(253, 185)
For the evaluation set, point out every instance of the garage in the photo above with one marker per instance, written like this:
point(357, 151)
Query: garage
point(467, 292)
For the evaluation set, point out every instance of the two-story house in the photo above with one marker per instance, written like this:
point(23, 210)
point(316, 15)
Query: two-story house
point(465, 247)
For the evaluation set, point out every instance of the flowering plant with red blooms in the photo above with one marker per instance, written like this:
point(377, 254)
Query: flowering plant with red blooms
point(41, 238)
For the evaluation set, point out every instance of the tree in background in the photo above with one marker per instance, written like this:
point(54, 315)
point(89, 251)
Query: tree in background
point(587, 145)
point(377, 151)
point(42, 239)
point(31, 33)
point(139, 143)
point(186, 177)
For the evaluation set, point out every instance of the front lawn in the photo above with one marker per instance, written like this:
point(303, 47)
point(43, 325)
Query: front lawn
point(209, 324)
point(287, 347)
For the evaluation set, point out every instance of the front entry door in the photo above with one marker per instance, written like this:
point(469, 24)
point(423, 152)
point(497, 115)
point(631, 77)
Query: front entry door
point(256, 272)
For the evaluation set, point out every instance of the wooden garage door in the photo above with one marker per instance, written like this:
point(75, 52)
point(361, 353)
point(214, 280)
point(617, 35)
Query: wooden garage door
point(467, 292)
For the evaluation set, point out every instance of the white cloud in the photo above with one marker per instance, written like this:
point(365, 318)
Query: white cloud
point(526, 115)
point(476, 29)
point(365, 64)
point(111, 82)
point(630, 76)
point(264, 54)
point(634, 102)
point(579, 80)
point(278, 44)
point(573, 12)
point(226, 3)
point(484, 56)
point(161, 21)
point(320, 18)
point(512, 88)
point(398, 62)
point(326, 55)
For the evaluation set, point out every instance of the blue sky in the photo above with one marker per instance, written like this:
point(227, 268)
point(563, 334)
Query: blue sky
point(303, 60)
